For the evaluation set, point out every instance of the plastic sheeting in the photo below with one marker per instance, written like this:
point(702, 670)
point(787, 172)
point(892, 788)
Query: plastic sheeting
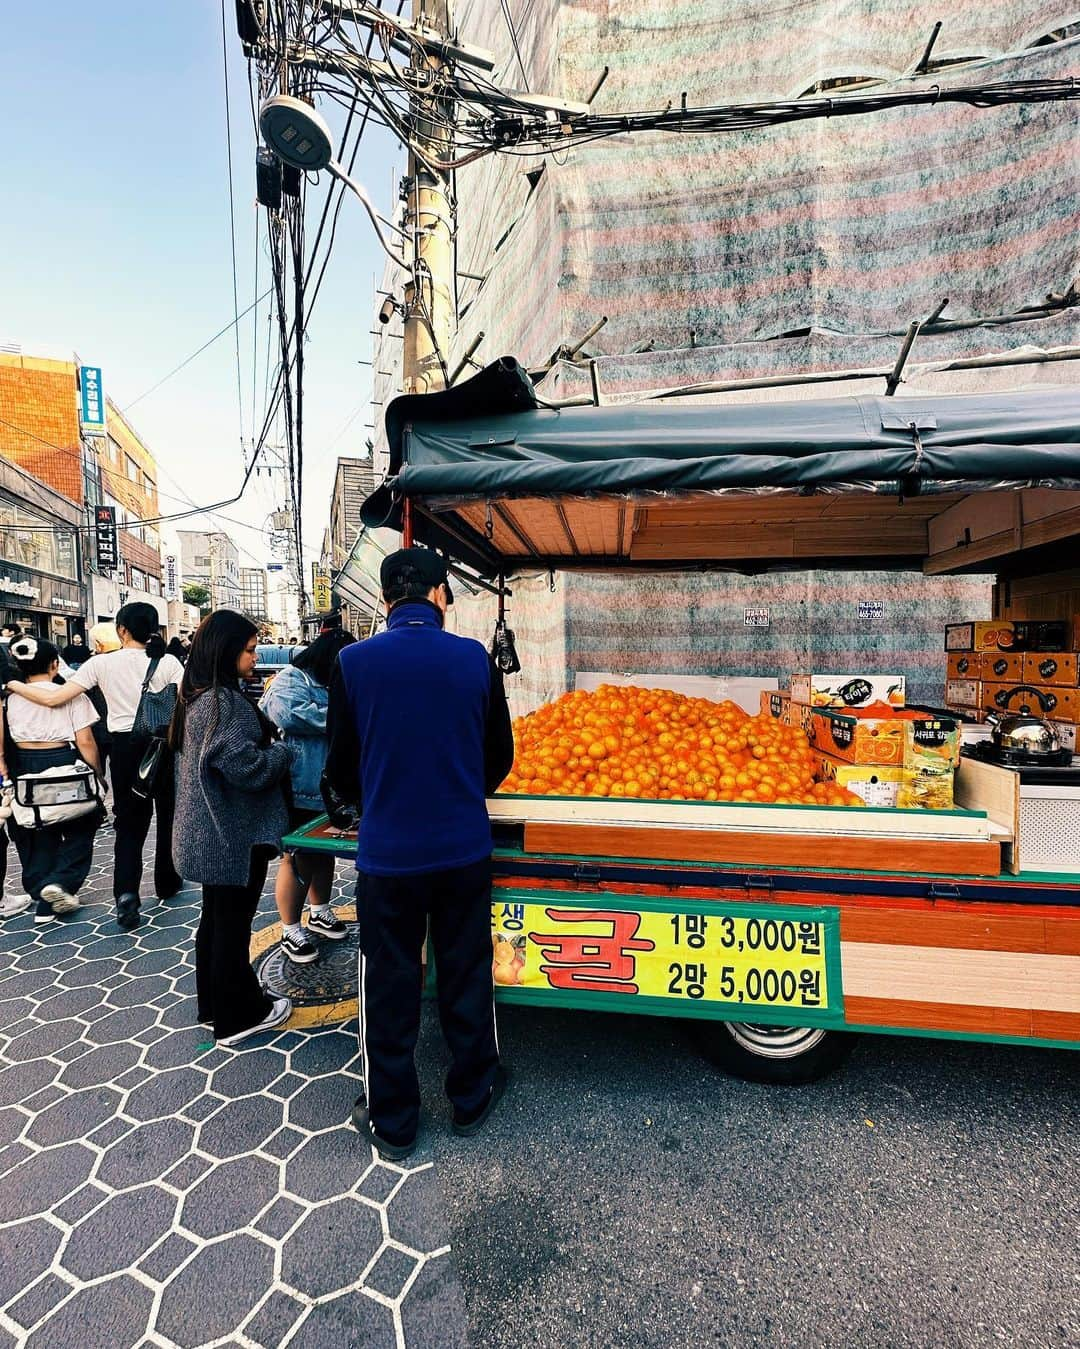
point(491, 438)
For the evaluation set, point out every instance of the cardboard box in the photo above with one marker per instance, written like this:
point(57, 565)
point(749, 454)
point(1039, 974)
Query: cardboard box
point(977, 715)
point(1005, 698)
point(1003, 666)
point(1067, 705)
point(858, 740)
point(775, 704)
point(964, 665)
point(996, 634)
point(1066, 734)
point(877, 784)
point(1050, 667)
point(1042, 635)
point(963, 693)
point(842, 691)
point(931, 742)
point(798, 714)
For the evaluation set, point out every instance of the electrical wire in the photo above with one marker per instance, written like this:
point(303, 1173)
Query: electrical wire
point(514, 39)
point(232, 223)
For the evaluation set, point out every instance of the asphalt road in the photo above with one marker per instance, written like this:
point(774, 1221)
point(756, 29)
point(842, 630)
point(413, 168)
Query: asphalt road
point(628, 1194)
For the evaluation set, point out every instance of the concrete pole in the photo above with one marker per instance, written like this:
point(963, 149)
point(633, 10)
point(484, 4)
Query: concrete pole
point(429, 296)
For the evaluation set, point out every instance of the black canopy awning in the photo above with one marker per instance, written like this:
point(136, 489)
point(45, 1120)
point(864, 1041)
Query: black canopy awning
point(501, 480)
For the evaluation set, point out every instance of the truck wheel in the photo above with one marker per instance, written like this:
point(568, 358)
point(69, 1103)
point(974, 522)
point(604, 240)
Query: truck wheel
point(782, 1054)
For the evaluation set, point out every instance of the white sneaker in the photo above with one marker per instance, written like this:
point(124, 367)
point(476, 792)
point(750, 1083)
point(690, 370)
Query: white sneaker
point(10, 905)
point(60, 900)
point(281, 1011)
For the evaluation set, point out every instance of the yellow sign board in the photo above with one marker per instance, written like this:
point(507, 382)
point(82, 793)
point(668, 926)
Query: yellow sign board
point(776, 959)
point(321, 595)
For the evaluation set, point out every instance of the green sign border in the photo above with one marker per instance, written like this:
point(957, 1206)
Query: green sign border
point(830, 1017)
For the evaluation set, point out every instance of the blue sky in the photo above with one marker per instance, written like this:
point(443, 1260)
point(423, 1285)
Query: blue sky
point(115, 238)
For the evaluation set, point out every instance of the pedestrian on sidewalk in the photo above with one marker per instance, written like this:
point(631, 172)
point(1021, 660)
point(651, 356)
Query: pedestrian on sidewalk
point(230, 816)
point(420, 735)
point(120, 675)
point(296, 702)
point(76, 652)
point(55, 858)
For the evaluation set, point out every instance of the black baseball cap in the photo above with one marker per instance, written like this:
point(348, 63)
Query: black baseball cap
point(426, 563)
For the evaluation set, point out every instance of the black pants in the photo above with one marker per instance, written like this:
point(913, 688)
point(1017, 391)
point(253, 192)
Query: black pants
point(133, 816)
point(229, 993)
point(60, 854)
point(392, 914)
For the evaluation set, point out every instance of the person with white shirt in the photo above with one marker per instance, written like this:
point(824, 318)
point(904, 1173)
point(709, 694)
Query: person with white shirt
point(56, 858)
point(120, 676)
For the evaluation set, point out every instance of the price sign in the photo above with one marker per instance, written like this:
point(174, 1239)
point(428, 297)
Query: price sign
point(871, 611)
point(779, 964)
point(755, 618)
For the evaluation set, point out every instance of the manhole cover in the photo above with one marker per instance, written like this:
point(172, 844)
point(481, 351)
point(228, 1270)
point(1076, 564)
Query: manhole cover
point(330, 979)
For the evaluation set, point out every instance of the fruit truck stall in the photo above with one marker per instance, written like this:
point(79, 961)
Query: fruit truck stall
point(828, 860)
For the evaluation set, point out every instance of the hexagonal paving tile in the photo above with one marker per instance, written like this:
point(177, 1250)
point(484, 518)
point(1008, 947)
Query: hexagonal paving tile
point(351, 1321)
point(103, 1316)
point(165, 1094)
point(323, 1103)
point(42, 1180)
point(241, 1126)
point(146, 1153)
point(100, 1065)
point(212, 1295)
point(28, 1248)
point(122, 1025)
point(117, 1234)
point(311, 1260)
point(328, 1164)
point(75, 1116)
point(230, 1196)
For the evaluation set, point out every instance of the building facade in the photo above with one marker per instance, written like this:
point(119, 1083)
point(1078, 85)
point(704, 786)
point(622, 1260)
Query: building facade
point(353, 481)
point(209, 558)
point(795, 250)
point(254, 594)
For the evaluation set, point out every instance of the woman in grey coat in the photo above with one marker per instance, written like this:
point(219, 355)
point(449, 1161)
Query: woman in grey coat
point(230, 816)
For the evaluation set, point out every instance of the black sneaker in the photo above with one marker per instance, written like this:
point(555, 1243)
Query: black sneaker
point(300, 950)
point(467, 1125)
point(127, 912)
point(327, 924)
point(393, 1152)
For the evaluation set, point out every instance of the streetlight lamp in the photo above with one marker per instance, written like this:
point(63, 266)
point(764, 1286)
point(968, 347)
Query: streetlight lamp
point(298, 135)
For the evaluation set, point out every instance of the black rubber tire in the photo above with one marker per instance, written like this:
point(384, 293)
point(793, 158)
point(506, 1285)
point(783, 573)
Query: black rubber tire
point(730, 1046)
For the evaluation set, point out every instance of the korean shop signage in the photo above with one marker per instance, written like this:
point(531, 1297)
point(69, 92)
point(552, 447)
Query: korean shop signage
point(91, 398)
point(730, 961)
point(108, 551)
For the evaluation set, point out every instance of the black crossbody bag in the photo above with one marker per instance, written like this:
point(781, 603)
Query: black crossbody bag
point(152, 717)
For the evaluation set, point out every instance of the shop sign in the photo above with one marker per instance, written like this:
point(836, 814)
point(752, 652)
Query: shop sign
point(9, 586)
point(62, 602)
point(755, 618)
point(92, 398)
point(172, 578)
point(871, 611)
point(777, 963)
point(108, 552)
point(321, 597)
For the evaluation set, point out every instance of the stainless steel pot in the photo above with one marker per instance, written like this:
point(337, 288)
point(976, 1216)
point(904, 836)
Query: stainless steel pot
point(1023, 732)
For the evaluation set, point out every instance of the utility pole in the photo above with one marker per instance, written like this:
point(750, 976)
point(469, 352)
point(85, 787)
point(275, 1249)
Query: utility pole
point(429, 295)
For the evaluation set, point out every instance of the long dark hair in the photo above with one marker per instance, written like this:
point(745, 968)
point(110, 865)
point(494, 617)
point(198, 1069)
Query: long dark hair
point(142, 621)
point(178, 649)
point(318, 659)
point(211, 665)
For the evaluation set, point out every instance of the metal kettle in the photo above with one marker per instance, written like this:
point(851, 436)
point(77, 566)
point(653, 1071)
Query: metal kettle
point(1023, 732)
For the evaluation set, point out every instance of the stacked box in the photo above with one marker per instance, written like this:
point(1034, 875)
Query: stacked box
point(846, 691)
point(858, 740)
point(963, 693)
point(995, 634)
point(931, 752)
point(1050, 667)
point(876, 784)
point(774, 703)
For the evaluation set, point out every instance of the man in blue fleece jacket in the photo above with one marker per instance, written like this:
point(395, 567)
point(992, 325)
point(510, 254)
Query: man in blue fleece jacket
point(419, 735)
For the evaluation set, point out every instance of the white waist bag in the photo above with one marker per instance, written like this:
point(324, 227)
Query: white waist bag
point(55, 795)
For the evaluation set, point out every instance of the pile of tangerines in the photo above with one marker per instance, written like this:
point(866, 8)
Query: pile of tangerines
point(656, 745)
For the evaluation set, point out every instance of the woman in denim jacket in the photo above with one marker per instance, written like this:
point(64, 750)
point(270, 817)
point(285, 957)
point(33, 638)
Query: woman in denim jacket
point(296, 703)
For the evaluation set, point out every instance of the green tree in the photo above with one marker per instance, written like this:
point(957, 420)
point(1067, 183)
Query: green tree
point(198, 595)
